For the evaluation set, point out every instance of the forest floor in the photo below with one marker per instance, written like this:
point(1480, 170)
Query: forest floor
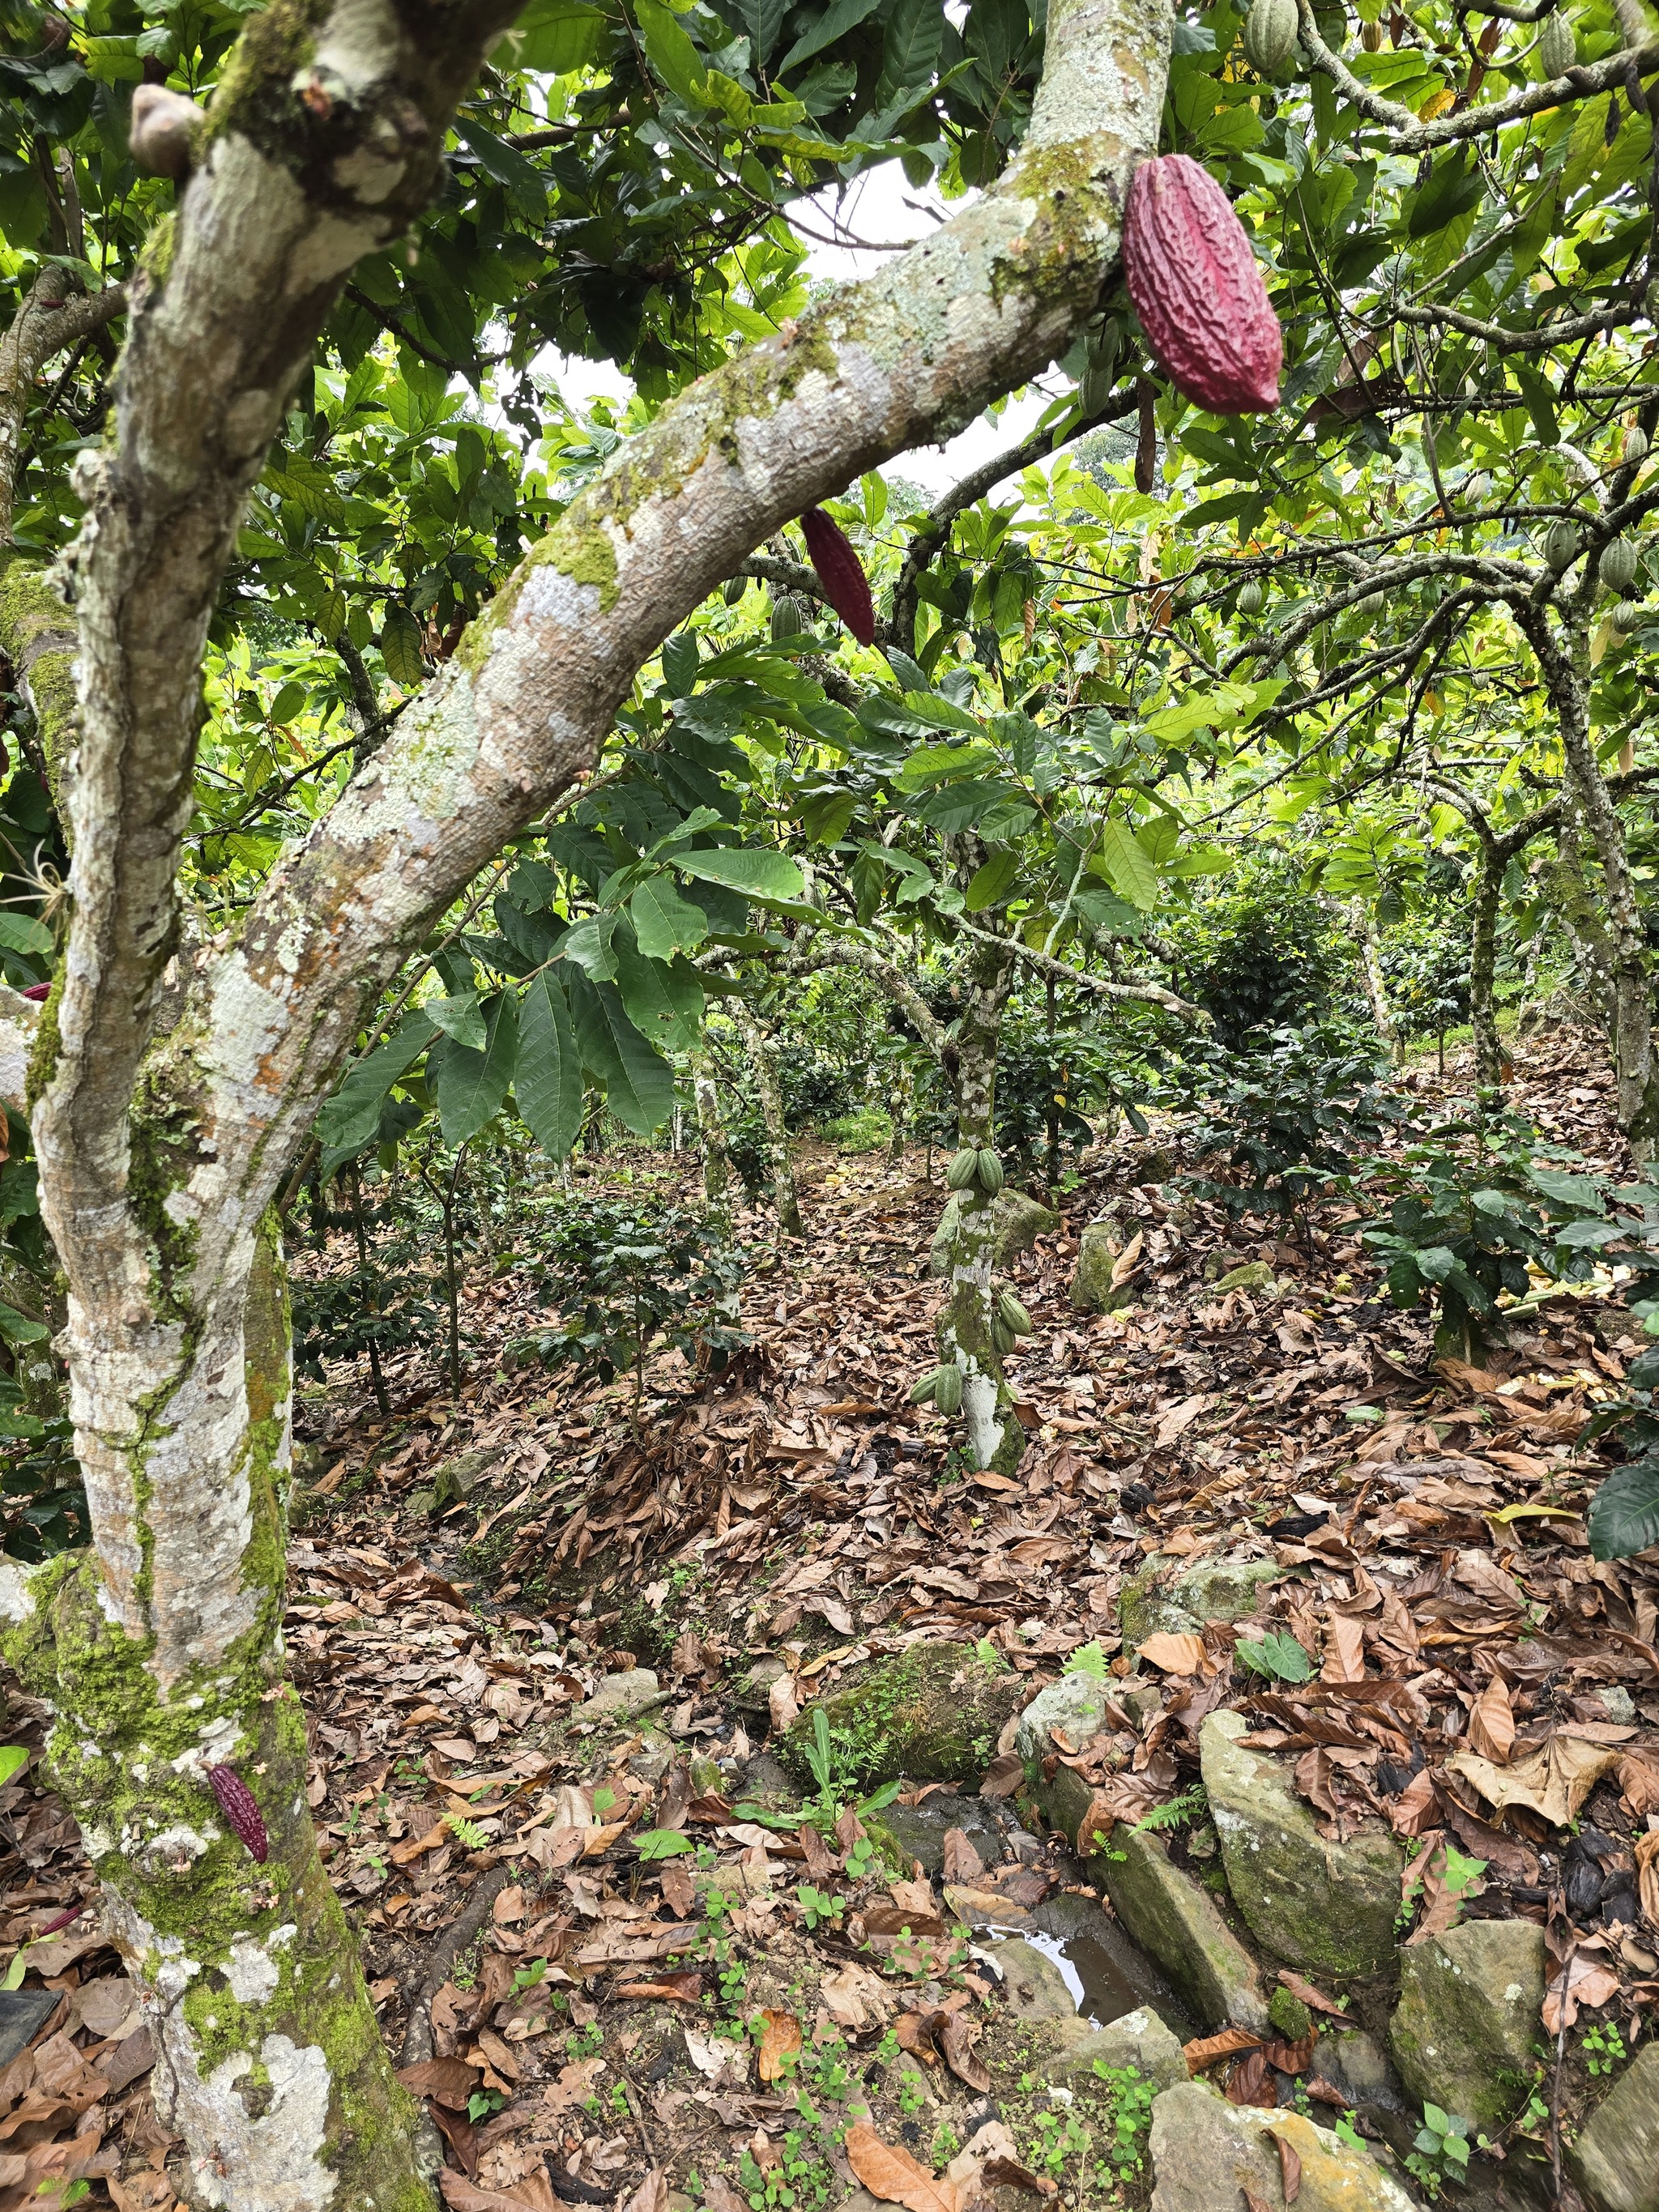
point(644, 1975)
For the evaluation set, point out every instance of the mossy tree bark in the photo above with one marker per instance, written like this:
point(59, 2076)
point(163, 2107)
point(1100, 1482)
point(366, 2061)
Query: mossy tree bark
point(163, 1142)
point(995, 1438)
point(763, 1050)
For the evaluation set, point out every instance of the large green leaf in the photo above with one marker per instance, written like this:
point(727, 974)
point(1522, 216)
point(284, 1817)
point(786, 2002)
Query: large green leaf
point(743, 868)
point(471, 1084)
point(1127, 869)
point(840, 17)
point(637, 1081)
point(548, 1083)
point(670, 51)
point(1623, 1515)
point(663, 922)
point(664, 1003)
point(20, 933)
point(351, 1118)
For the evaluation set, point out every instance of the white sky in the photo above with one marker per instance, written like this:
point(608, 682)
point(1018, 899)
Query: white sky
point(884, 208)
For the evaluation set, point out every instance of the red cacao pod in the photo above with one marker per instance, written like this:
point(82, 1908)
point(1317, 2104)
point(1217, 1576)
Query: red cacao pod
point(841, 572)
point(236, 1803)
point(1197, 290)
point(37, 991)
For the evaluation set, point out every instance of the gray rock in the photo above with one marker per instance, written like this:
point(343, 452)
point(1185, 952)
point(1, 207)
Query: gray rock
point(458, 1477)
point(933, 1713)
point(1035, 1985)
point(1617, 1703)
point(1110, 1976)
point(1098, 1252)
point(1138, 2039)
point(1207, 2152)
point(767, 1777)
point(1254, 1275)
point(1462, 2031)
point(1317, 1905)
point(919, 1830)
point(1180, 1925)
point(1352, 2060)
point(1615, 2160)
point(1017, 1220)
point(1075, 1704)
point(620, 1697)
point(1227, 1588)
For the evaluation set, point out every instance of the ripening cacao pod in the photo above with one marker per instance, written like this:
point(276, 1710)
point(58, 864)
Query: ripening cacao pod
point(1251, 596)
point(961, 1170)
point(1002, 1338)
point(236, 1803)
point(1560, 544)
point(1627, 615)
point(788, 617)
point(1012, 1315)
point(1635, 448)
point(1557, 49)
point(37, 991)
point(1616, 567)
point(1371, 37)
point(1269, 36)
point(161, 133)
point(921, 1392)
point(1192, 277)
point(841, 572)
point(989, 1171)
point(947, 1389)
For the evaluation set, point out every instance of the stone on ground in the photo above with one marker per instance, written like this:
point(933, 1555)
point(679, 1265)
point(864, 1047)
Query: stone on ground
point(1018, 1218)
point(1463, 2029)
point(1033, 1983)
point(1179, 1926)
point(1138, 2039)
point(1207, 2153)
point(1319, 1905)
point(920, 1830)
point(1076, 1704)
point(1152, 1602)
point(1097, 1253)
point(620, 1697)
point(1615, 2160)
point(932, 1714)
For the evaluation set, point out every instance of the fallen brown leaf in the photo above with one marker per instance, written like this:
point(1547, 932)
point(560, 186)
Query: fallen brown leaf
point(1175, 1655)
point(1207, 2049)
point(780, 2041)
point(447, 2080)
point(684, 1987)
point(1554, 1780)
point(894, 2176)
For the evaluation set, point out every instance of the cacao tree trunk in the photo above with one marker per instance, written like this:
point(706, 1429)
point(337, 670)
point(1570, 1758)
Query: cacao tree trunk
point(165, 1663)
point(763, 1058)
point(1482, 966)
point(995, 1439)
point(1371, 967)
point(716, 1160)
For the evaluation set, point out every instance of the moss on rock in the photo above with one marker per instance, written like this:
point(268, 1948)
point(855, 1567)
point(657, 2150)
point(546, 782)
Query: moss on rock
point(931, 1714)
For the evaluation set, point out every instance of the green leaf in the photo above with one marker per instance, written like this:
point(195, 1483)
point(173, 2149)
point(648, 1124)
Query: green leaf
point(471, 1084)
point(670, 51)
point(351, 1118)
point(400, 646)
point(460, 1018)
point(14, 1758)
point(1126, 868)
point(553, 36)
point(637, 1081)
point(757, 874)
point(17, 1328)
point(664, 1003)
point(20, 933)
point(548, 1082)
point(990, 883)
point(1279, 1657)
point(842, 16)
point(663, 922)
point(911, 49)
point(1623, 1515)
point(661, 1844)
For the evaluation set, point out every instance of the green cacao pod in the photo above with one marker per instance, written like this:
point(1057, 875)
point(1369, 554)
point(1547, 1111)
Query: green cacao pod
point(1628, 615)
point(947, 1389)
point(1636, 445)
point(1002, 1339)
point(1251, 596)
point(1269, 35)
point(1557, 49)
point(921, 1392)
point(1616, 567)
point(1560, 544)
point(1012, 1315)
point(989, 1171)
point(732, 589)
point(1370, 606)
point(788, 617)
point(961, 1170)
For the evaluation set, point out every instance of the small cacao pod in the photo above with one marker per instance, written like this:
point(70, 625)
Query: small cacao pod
point(1627, 615)
point(788, 617)
point(1636, 445)
point(162, 134)
point(1560, 544)
point(1002, 1338)
point(37, 991)
point(989, 1171)
point(236, 1803)
point(961, 1170)
point(732, 589)
point(1557, 49)
point(1012, 1315)
point(947, 1389)
point(1252, 597)
point(1370, 606)
point(1269, 35)
point(1192, 277)
point(1371, 37)
point(921, 1392)
point(841, 572)
point(1616, 567)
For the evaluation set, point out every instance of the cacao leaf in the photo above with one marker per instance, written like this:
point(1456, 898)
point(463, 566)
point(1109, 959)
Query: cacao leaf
point(471, 1084)
point(548, 1081)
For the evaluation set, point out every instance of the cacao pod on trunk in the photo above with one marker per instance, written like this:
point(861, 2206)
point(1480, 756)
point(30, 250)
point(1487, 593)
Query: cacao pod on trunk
point(963, 1168)
point(947, 1389)
point(1560, 544)
point(236, 1803)
point(1627, 615)
point(841, 572)
point(1557, 49)
point(1192, 274)
point(788, 617)
point(989, 1171)
point(1251, 596)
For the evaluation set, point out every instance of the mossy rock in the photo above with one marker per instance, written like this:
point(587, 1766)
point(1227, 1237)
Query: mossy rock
point(931, 1714)
point(1227, 1588)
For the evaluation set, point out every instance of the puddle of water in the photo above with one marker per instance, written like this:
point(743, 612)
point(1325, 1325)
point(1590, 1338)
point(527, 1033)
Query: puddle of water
point(1105, 1974)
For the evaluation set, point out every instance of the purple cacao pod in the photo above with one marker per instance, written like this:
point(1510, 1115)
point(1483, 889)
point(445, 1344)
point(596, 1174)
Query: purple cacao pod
point(236, 1803)
point(1192, 277)
point(839, 571)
